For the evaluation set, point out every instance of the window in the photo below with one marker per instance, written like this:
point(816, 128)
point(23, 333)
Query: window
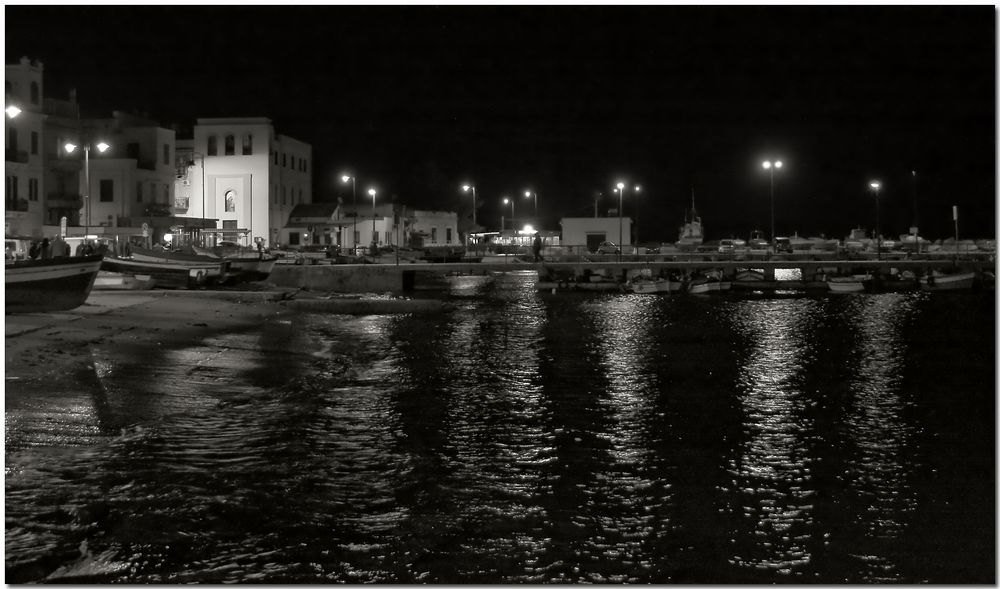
point(374, 236)
point(13, 139)
point(276, 158)
point(230, 145)
point(166, 193)
point(34, 143)
point(283, 196)
point(213, 145)
point(284, 160)
point(447, 233)
point(34, 93)
point(248, 144)
point(33, 189)
point(357, 236)
point(11, 188)
point(293, 162)
point(138, 192)
point(107, 190)
point(293, 238)
point(132, 151)
point(230, 201)
point(166, 154)
point(434, 234)
point(229, 224)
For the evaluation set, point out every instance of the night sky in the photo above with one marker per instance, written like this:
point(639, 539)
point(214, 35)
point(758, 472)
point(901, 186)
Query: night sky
point(565, 100)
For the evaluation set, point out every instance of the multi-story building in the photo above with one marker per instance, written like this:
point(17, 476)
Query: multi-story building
point(23, 164)
point(243, 176)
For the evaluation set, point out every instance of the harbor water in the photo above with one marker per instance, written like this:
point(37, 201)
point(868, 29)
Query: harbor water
point(525, 437)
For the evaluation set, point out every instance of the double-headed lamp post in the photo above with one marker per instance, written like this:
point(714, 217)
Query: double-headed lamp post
point(533, 194)
point(467, 188)
point(875, 186)
point(770, 167)
point(101, 147)
point(371, 192)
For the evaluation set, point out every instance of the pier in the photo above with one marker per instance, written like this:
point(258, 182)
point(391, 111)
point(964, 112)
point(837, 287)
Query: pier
point(403, 277)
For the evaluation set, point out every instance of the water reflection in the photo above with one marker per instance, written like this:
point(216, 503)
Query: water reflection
point(880, 464)
point(773, 468)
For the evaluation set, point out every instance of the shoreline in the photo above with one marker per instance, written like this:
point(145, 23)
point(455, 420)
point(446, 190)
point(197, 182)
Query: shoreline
point(38, 344)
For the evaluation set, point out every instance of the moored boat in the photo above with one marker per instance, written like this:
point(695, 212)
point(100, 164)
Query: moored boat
point(55, 284)
point(245, 265)
point(647, 285)
point(848, 284)
point(941, 281)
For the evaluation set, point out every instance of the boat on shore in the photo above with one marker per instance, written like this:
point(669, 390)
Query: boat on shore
point(120, 281)
point(245, 265)
point(169, 274)
point(941, 281)
point(206, 270)
point(55, 284)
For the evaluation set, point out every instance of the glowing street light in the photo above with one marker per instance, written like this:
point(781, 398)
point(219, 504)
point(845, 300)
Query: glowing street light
point(466, 188)
point(530, 194)
point(875, 185)
point(769, 166)
point(12, 111)
point(101, 148)
point(509, 201)
point(371, 191)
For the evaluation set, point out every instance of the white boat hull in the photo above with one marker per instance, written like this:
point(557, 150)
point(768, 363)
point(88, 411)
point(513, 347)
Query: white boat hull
point(962, 281)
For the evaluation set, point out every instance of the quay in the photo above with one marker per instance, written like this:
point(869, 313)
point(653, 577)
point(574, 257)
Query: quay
point(403, 277)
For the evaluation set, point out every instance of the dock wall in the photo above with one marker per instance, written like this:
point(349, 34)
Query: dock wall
point(340, 278)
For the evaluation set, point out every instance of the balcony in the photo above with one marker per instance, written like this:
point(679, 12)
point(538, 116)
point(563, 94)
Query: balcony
point(64, 200)
point(20, 157)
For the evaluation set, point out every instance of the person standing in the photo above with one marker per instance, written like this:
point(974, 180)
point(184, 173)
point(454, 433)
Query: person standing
point(536, 248)
point(46, 249)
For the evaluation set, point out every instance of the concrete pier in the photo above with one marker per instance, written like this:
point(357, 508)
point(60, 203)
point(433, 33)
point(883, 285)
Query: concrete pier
point(357, 278)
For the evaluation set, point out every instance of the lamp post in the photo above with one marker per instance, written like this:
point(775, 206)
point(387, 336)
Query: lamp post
point(875, 185)
point(770, 167)
point(621, 190)
point(532, 194)
point(371, 191)
point(354, 190)
point(467, 188)
point(509, 201)
point(101, 147)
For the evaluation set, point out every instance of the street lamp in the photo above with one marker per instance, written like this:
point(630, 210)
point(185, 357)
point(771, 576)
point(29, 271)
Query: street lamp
point(354, 190)
point(509, 201)
point(875, 185)
point(466, 188)
point(371, 191)
point(530, 194)
point(621, 191)
point(769, 166)
point(12, 111)
point(101, 147)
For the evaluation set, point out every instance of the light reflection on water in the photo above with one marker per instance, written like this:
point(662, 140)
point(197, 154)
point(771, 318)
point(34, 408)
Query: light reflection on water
point(524, 437)
point(773, 483)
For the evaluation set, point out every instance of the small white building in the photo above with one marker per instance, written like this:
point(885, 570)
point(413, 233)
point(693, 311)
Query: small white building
point(591, 231)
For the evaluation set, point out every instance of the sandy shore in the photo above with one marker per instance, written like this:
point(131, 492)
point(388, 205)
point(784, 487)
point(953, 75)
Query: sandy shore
point(53, 343)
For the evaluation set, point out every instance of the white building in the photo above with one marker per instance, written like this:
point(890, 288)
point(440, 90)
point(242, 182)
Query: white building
point(242, 175)
point(591, 231)
point(23, 162)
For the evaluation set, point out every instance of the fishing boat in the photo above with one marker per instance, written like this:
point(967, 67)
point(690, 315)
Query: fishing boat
point(169, 274)
point(648, 285)
point(212, 270)
point(848, 284)
point(245, 265)
point(691, 234)
point(56, 284)
point(708, 283)
point(121, 281)
point(941, 281)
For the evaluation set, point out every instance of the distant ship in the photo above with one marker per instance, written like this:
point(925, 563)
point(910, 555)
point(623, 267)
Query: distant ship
point(691, 234)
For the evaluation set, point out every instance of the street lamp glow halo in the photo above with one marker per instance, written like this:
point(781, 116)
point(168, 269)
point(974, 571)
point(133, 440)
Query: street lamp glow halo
point(345, 178)
point(466, 187)
point(777, 164)
point(875, 184)
point(371, 191)
point(12, 111)
point(620, 185)
point(102, 147)
point(70, 147)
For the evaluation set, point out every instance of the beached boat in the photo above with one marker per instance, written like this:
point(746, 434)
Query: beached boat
point(169, 274)
point(212, 270)
point(245, 265)
point(120, 281)
point(56, 284)
point(942, 281)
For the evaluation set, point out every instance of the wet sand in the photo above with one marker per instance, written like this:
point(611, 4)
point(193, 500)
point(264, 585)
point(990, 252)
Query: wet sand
point(40, 344)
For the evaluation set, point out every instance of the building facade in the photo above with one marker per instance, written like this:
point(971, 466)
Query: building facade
point(242, 177)
point(24, 205)
point(590, 232)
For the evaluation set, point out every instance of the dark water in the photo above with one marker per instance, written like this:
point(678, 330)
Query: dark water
point(526, 437)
